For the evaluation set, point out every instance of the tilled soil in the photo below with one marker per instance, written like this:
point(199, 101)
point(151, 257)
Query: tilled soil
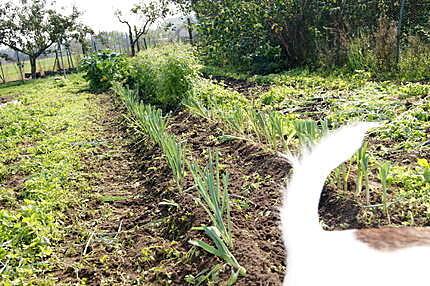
point(134, 226)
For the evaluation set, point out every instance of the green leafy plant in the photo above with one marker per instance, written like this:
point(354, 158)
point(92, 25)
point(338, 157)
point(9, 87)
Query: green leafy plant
point(104, 68)
point(425, 167)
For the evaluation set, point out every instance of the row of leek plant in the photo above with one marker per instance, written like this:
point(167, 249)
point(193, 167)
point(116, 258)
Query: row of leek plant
point(266, 127)
point(212, 187)
point(151, 122)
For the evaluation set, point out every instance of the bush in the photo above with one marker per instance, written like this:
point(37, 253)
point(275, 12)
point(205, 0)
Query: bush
point(415, 60)
point(360, 55)
point(165, 76)
point(103, 68)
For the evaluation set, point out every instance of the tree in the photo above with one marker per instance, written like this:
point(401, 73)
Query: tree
point(32, 26)
point(80, 34)
point(146, 13)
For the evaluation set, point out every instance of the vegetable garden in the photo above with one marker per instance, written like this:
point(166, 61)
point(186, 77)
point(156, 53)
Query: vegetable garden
point(164, 171)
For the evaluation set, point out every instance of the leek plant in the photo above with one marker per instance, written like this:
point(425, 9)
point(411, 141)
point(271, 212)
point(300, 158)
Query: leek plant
point(175, 156)
point(212, 188)
point(150, 121)
point(363, 172)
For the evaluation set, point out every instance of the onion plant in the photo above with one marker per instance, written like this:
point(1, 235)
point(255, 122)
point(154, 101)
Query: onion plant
point(196, 106)
point(308, 131)
point(151, 122)
point(220, 249)
point(265, 127)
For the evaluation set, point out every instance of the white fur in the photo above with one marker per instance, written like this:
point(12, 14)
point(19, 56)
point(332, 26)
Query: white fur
point(336, 258)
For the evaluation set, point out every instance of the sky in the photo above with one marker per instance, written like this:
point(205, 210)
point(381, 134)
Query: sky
point(99, 14)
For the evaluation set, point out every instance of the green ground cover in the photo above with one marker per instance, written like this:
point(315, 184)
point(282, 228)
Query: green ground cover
point(45, 128)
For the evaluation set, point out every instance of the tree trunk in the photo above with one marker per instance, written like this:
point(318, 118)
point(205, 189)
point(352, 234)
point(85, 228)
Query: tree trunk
point(133, 50)
point(190, 30)
point(33, 66)
point(61, 58)
point(132, 43)
point(84, 48)
point(19, 66)
point(2, 76)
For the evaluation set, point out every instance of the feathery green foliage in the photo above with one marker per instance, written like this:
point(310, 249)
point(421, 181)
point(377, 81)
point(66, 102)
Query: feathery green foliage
point(165, 76)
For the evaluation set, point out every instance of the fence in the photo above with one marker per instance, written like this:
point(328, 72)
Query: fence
point(67, 58)
point(412, 19)
point(17, 66)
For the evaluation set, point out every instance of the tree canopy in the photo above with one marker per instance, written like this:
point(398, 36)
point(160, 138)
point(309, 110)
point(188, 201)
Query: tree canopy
point(32, 26)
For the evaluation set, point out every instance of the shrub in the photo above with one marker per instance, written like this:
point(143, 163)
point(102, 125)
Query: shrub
point(165, 76)
point(103, 68)
point(360, 55)
point(415, 60)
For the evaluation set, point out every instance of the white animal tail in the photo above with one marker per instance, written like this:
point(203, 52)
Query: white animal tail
point(299, 213)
